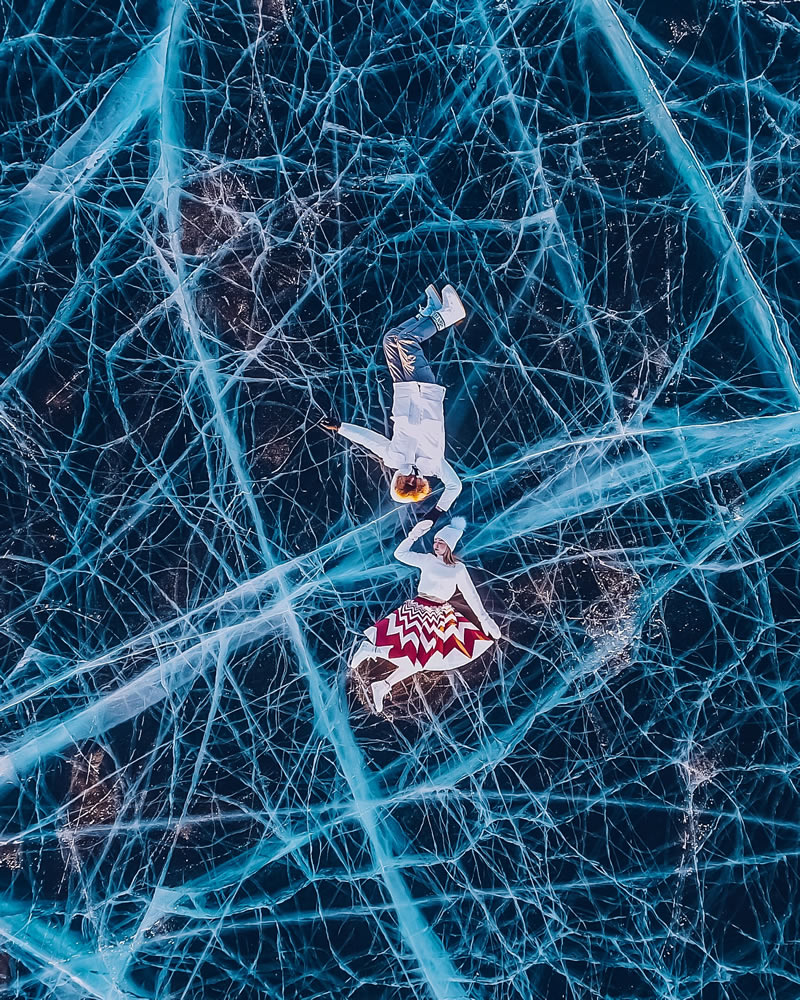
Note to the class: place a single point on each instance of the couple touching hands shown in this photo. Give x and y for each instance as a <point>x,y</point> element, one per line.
<point>426,633</point>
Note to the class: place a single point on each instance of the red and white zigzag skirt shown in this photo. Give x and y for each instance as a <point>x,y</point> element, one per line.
<point>432,636</point>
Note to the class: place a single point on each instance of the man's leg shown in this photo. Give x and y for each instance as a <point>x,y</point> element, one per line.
<point>405,357</point>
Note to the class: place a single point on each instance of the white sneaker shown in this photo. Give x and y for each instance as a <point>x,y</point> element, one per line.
<point>380,689</point>
<point>433,303</point>
<point>452,310</point>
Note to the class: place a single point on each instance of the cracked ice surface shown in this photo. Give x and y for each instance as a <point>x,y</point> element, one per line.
<point>210,212</point>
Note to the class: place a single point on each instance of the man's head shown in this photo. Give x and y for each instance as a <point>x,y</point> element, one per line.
<point>409,487</point>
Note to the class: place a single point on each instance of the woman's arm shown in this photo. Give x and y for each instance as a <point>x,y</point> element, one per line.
<point>403,551</point>
<point>473,599</point>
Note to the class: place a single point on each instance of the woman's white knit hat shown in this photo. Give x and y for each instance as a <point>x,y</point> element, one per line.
<point>451,532</point>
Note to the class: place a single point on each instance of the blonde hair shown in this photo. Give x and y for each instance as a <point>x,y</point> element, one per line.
<point>410,488</point>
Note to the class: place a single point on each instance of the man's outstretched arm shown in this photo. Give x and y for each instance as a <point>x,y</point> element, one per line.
<point>372,441</point>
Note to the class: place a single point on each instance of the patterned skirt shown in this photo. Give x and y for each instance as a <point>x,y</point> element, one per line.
<point>429,635</point>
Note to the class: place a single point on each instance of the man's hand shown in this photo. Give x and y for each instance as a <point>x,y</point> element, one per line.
<point>432,515</point>
<point>331,424</point>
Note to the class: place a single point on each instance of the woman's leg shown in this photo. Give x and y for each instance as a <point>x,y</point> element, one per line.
<point>442,668</point>
<point>405,357</point>
<point>402,673</point>
<point>364,652</point>
<point>382,689</point>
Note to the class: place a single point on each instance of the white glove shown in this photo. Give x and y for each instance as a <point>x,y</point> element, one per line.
<point>420,528</point>
<point>490,627</point>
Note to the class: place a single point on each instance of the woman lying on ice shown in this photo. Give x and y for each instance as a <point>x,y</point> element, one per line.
<point>426,633</point>
<point>416,448</point>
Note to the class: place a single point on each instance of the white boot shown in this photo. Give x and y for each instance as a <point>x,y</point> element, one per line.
<point>452,310</point>
<point>380,689</point>
<point>433,303</point>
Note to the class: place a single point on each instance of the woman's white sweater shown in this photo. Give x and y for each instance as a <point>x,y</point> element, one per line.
<point>439,580</point>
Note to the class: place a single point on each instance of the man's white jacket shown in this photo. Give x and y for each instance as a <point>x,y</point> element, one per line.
<point>418,438</point>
